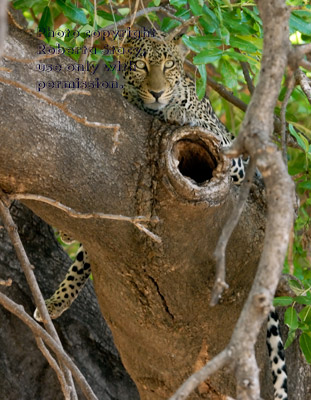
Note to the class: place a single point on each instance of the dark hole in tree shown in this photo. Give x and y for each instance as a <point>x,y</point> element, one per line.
<point>195,160</point>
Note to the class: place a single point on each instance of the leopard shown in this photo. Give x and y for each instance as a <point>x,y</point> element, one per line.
<point>155,81</point>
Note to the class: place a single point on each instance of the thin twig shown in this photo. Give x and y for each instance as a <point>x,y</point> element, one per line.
<point>248,79</point>
<point>290,88</point>
<point>195,379</point>
<point>304,82</point>
<point>19,311</point>
<point>53,364</point>
<point>137,221</point>
<point>220,251</point>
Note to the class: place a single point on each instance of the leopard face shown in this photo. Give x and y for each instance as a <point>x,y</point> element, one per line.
<point>153,71</point>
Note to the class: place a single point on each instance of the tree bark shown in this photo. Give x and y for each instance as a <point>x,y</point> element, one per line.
<point>154,296</point>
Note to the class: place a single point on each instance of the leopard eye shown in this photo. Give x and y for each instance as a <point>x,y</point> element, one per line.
<point>169,64</point>
<point>140,64</point>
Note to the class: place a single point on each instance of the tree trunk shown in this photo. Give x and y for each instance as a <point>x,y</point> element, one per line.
<point>154,296</point>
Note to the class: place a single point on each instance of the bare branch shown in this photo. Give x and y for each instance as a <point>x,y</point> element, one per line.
<point>200,376</point>
<point>304,82</point>
<point>290,88</point>
<point>54,346</point>
<point>55,367</point>
<point>248,79</point>
<point>137,221</point>
<point>220,251</point>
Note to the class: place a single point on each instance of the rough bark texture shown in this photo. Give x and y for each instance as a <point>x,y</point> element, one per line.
<point>153,296</point>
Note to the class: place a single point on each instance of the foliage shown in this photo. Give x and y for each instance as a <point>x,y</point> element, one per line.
<point>226,34</point>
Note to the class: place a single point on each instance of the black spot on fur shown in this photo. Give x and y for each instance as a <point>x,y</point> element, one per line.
<point>66,295</point>
<point>269,348</point>
<point>72,286</point>
<point>87,266</point>
<point>81,271</point>
<point>70,278</point>
<point>80,256</point>
<point>74,268</point>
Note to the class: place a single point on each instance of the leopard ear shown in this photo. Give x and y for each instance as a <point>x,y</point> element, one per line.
<point>183,49</point>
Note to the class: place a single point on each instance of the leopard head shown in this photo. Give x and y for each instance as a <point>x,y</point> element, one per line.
<point>152,69</point>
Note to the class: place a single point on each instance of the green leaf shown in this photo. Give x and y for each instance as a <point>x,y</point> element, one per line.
<point>296,287</point>
<point>303,300</point>
<point>242,44</point>
<point>72,12</point>
<point>228,73</point>
<point>107,16</point>
<point>302,141</point>
<point>305,315</point>
<point>305,345</point>
<point>283,301</point>
<point>45,22</point>
<point>241,57</point>
<point>88,6</point>
<point>305,185</point>
<point>290,338</point>
<point>237,26</point>
<point>300,25</point>
<point>195,7</point>
<point>201,82</point>
<point>252,14</point>
<point>291,318</point>
<point>178,3</point>
<point>168,24</point>
<point>25,3</point>
<point>207,56</point>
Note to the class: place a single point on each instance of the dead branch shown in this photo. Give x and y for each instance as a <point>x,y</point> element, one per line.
<point>53,364</point>
<point>289,90</point>
<point>194,380</point>
<point>54,346</point>
<point>304,83</point>
<point>137,221</point>
<point>220,280</point>
<point>248,79</point>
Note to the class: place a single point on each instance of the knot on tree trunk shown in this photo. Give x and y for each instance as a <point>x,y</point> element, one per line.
<point>196,168</point>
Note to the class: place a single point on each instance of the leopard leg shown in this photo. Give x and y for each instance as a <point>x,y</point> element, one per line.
<point>70,287</point>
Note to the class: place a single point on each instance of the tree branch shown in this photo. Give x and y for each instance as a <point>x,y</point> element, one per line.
<point>54,346</point>
<point>220,280</point>
<point>31,279</point>
<point>137,221</point>
<point>304,83</point>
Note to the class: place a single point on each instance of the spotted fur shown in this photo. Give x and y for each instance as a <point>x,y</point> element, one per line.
<point>277,357</point>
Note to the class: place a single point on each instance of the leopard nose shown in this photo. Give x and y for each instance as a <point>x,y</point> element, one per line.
<point>156,95</point>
